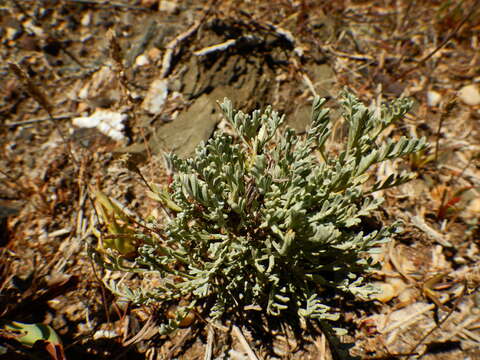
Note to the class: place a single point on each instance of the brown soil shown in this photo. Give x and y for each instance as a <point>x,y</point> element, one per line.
<point>255,53</point>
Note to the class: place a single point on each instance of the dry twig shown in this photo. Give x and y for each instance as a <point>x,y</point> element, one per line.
<point>32,121</point>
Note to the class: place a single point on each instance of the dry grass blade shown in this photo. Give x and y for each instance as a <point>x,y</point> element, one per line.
<point>422,225</point>
<point>445,318</point>
<point>321,344</point>
<point>209,350</point>
<point>109,4</point>
<point>40,97</point>
<point>246,347</point>
<point>146,332</point>
<point>30,87</point>
<point>407,321</point>
<point>114,48</point>
<point>41,119</point>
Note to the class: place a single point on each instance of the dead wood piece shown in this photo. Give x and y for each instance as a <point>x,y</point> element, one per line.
<point>172,47</point>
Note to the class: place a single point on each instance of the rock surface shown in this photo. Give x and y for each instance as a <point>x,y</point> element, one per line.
<point>470,95</point>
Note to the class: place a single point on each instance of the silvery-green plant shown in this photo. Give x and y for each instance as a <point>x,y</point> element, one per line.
<point>270,220</point>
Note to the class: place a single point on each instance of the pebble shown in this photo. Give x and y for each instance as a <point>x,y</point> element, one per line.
<point>12,33</point>
<point>142,60</point>
<point>86,19</point>
<point>470,95</point>
<point>386,292</point>
<point>148,3</point>
<point>156,96</point>
<point>168,6</point>
<point>154,54</point>
<point>433,98</point>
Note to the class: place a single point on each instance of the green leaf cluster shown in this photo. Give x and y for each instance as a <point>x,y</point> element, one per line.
<point>273,220</point>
